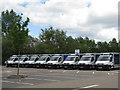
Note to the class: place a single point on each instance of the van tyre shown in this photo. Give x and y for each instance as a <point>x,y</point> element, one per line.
<point>109,68</point>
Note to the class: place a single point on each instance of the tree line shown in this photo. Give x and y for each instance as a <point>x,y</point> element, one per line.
<point>15,39</point>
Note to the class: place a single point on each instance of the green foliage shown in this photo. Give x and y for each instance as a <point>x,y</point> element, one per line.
<point>70,44</point>
<point>52,41</point>
<point>14,33</point>
<point>113,45</point>
<point>103,47</point>
<point>56,41</point>
<point>7,49</point>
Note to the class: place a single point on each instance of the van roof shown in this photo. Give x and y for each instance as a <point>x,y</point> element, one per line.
<point>72,56</point>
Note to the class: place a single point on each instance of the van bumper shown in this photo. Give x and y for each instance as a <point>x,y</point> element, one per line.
<point>54,66</point>
<point>39,65</point>
<point>70,66</point>
<point>86,66</point>
<point>103,67</point>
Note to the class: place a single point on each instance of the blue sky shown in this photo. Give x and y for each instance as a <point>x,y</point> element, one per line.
<point>35,30</point>
<point>96,19</point>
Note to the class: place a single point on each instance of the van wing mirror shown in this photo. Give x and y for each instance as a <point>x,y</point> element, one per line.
<point>76,60</point>
<point>16,59</point>
<point>48,59</point>
<point>36,59</point>
<point>110,59</point>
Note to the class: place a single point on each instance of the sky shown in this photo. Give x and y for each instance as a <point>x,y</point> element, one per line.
<point>96,19</point>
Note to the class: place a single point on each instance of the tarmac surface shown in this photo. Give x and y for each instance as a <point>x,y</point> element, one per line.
<point>59,78</point>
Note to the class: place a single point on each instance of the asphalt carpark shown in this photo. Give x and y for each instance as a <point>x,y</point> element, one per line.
<point>59,78</point>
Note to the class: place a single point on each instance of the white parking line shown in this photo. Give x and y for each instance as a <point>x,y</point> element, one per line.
<point>51,71</point>
<point>108,73</point>
<point>64,71</point>
<point>90,86</point>
<point>77,72</point>
<point>50,80</point>
<point>42,79</point>
<point>33,78</point>
<point>17,82</point>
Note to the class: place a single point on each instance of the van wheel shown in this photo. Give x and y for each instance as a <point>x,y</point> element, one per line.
<point>109,68</point>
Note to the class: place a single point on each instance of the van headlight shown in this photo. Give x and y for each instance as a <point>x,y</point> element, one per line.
<point>44,63</point>
<point>66,64</point>
<point>99,63</point>
<point>57,63</point>
<point>49,63</point>
<point>32,63</point>
<point>108,63</point>
<point>72,64</point>
<point>81,63</point>
<point>88,63</point>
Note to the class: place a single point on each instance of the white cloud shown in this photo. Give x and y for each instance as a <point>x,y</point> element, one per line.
<point>74,16</point>
<point>104,7</point>
<point>107,34</point>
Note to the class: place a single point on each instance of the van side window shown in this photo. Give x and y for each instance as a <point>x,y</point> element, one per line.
<point>92,59</point>
<point>60,59</point>
<point>25,59</point>
<point>16,59</point>
<point>36,59</point>
<point>76,59</point>
<point>110,59</point>
<point>48,59</point>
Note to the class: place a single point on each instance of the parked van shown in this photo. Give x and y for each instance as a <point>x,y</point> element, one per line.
<point>32,60</point>
<point>71,62</point>
<point>42,61</point>
<point>23,59</point>
<point>56,61</point>
<point>88,60</point>
<point>11,61</point>
<point>108,61</point>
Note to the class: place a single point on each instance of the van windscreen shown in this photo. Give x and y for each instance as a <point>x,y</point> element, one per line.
<point>54,58</point>
<point>32,58</point>
<point>85,59</point>
<point>11,59</point>
<point>70,59</point>
<point>104,58</point>
<point>43,58</point>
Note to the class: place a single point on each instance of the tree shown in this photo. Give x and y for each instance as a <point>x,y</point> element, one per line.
<point>7,49</point>
<point>9,19</point>
<point>86,45</point>
<point>14,33</point>
<point>114,45</point>
<point>103,47</point>
<point>52,40</point>
<point>14,29</point>
<point>119,46</point>
<point>71,45</point>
